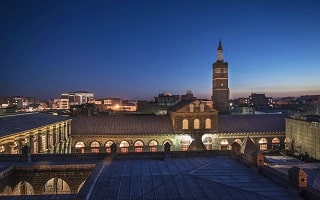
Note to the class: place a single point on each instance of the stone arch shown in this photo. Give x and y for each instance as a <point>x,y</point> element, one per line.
<point>169,142</point>
<point>124,146</point>
<point>56,186</point>
<point>138,146</point>
<point>153,145</point>
<point>208,123</point>
<point>224,144</point>
<point>196,124</point>
<point>23,188</point>
<point>95,146</point>
<point>79,147</point>
<point>263,144</point>
<point>108,146</point>
<point>185,124</point>
<point>275,143</point>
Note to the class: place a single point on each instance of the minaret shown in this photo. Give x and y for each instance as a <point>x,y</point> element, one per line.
<point>220,88</point>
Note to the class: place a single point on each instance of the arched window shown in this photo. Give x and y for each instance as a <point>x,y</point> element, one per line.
<point>185,124</point>
<point>56,186</point>
<point>23,188</point>
<point>79,147</point>
<point>95,147</point>
<point>108,146</point>
<point>238,141</point>
<point>208,143</point>
<point>208,123</point>
<point>124,147</point>
<point>138,146</point>
<point>263,144</point>
<point>185,142</point>
<point>153,146</point>
<point>224,144</point>
<point>196,124</point>
<point>275,144</point>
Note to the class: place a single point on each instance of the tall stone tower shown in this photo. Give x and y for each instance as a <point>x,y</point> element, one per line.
<point>220,88</point>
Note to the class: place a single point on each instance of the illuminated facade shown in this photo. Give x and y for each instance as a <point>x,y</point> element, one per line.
<point>78,97</point>
<point>185,122</point>
<point>43,133</point>
<point>303,135</point>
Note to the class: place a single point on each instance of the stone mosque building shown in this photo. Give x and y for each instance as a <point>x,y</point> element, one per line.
<point>189,125</point>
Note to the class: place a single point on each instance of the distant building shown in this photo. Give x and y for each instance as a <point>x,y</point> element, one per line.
<point>117,104</point>
<point>303,135</point>
<point>220,87</point>
<point>169,100</point>
<point>260,102</point>
<point>60,104</point>
<point>19,102</point>
<point>78,97</point>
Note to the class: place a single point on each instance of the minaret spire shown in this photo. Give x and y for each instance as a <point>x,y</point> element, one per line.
<point>220,52</point>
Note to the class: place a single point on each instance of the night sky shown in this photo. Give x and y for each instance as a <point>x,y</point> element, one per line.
<point>137,49</point>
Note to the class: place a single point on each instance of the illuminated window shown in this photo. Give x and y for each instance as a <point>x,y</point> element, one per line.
<point>108,146</point>
<point>185,142</point>
<point>263,144</point>
<point>153,146</point>
<point>95,146</point>
<point>23,188</point>
<point>275,144</point>
<point>208,123</point>
<point>208,143</point>
<point>124,147</point>
<point>196,124</point>
<point>56,186</point>
<point>79,147</point>
<point>138,146</point>
<point>2,149</point>
<point>185,124</point>
<point>224,144</point>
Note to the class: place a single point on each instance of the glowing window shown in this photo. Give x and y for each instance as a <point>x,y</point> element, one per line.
<point>224,144</point>
<point>185,142</point>
<point>95,147</point>
<point>185,124</point>
<point>138,146</point>
<point>108,146</point>
<point>153,146</point>
<point>124,147</point>
<point>208,123</point>
<point>196,124</point>
<point>79,147</point>
<point>263,144</point>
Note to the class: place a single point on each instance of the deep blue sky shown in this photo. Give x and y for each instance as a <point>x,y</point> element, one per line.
<point>136,49</point>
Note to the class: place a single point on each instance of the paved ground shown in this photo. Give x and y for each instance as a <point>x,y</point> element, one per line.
<point>218,177</point>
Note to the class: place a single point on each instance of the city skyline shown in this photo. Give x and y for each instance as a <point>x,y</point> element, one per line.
<point>138,49</point>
